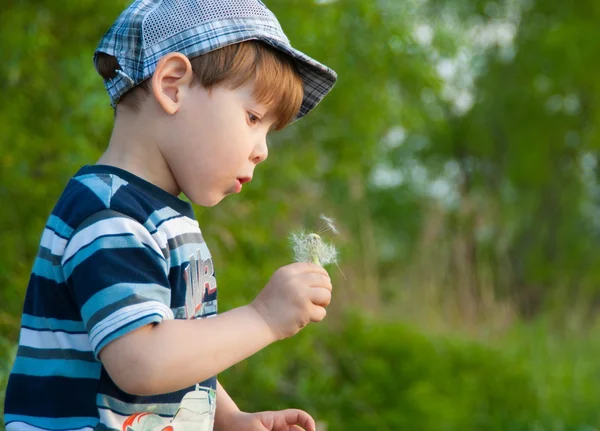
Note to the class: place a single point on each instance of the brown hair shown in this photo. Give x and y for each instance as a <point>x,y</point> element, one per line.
<point>275,76</point>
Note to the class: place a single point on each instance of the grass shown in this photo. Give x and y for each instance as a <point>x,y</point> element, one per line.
<point>560,360</point>
<point>563,365</point>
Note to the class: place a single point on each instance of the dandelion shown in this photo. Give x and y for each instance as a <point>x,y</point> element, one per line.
<point>310,247</point>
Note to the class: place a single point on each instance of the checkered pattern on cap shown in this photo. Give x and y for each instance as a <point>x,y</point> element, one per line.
<point>149,29</point>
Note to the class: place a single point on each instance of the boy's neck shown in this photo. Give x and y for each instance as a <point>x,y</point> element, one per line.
<point>133,148</point>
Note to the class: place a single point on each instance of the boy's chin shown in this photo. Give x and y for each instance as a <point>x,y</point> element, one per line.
<point>208,201</point>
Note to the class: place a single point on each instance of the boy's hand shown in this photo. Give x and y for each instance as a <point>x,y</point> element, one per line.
<point>283,420</point>
<point>296,295</point>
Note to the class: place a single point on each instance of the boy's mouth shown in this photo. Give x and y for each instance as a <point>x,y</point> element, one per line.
<point>240,181</point>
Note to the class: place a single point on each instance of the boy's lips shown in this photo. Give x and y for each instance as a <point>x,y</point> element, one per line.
<point>240,181</point>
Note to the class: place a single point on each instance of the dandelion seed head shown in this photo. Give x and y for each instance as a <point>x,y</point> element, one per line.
<point>308,246</point>
<point>313,238</point>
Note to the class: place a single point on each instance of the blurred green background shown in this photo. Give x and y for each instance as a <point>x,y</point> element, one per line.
<point>458,153</point>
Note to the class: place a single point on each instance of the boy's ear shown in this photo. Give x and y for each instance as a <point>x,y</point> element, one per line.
<point>173,74</point>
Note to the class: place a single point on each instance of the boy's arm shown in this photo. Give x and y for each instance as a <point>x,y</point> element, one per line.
<point>174,354</point>
<point>163,358</point>
<point>226,407</point>
<point>118,276</point>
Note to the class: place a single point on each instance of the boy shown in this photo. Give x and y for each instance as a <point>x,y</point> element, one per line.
<point>116,331</point>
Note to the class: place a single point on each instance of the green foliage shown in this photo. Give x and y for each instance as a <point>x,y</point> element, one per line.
<point>388,377</point>
<point>559,361</point>
<point>7,352</point>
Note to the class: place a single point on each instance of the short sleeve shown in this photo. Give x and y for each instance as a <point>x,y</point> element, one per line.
<point>118,276</point>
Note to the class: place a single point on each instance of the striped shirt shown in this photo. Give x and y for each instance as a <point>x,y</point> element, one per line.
<point>117,253</point>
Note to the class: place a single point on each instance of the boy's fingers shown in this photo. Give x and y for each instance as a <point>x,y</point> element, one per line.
<point>320,296</point>
<point>310,267</point>
<point>294,417</point>
<point>318,280</point>
<point>318,313</point>
<point>318,269</point>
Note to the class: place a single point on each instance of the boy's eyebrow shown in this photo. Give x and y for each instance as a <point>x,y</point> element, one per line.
<point>265,109</point>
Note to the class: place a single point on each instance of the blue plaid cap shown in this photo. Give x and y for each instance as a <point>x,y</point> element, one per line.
<point>149,29</point>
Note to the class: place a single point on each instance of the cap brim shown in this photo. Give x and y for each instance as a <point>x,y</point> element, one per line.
<point>318,79</point>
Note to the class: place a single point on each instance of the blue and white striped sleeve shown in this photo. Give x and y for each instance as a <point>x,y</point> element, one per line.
<point>118,275</point>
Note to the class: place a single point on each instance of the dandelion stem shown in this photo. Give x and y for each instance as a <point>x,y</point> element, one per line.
<point>314,240</point>
<point>315,259</point>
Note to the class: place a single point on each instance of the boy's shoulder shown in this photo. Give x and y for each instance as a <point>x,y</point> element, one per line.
<point>105,190</point>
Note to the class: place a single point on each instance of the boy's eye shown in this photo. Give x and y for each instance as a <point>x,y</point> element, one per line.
<point>253,118</point>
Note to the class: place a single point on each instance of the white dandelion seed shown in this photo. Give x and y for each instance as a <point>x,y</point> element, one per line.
<point>328,225</point>
<point>309,247</point>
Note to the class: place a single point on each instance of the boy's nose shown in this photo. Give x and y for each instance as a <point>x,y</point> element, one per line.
<point>260,152</point>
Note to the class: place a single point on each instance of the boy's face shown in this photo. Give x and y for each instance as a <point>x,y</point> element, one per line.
<point>217,138</point>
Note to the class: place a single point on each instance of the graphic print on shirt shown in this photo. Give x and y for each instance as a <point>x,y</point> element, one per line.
<point>195,413</point>
<point>197,409</point>
<point>201,287</point>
